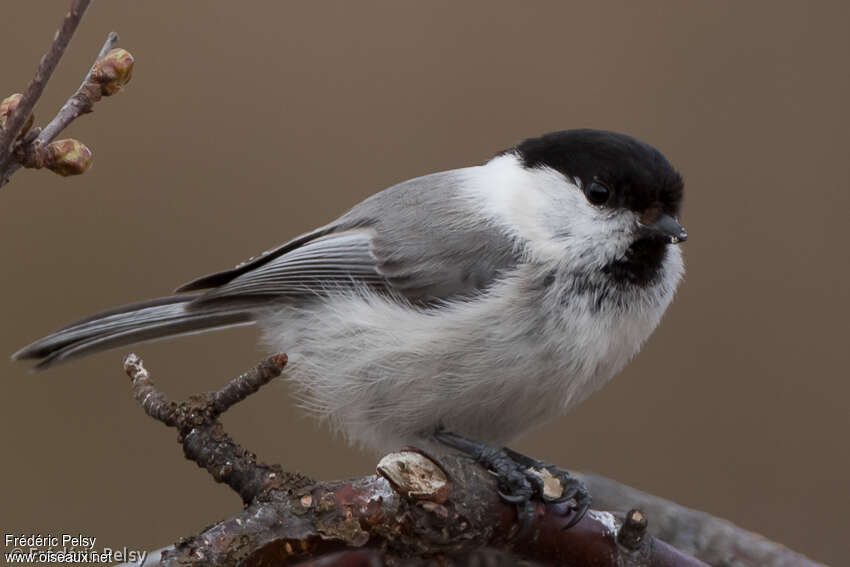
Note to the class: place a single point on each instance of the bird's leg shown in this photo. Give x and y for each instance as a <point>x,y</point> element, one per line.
<point>521,478</point>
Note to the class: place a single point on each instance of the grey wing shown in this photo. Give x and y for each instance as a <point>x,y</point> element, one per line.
<point>335,261</point>
<point>430,242</point>
<point>420,239</point>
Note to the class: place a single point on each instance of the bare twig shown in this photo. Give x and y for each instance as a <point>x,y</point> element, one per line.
<point>240,388</point>
<point>202,436</point>
<point>35,149</point>
<point>79,103</point>
<point>36,87</point>
<point>109,73</point>
<point>152,400</point>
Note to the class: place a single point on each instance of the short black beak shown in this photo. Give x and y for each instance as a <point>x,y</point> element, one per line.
<point>669,228</point>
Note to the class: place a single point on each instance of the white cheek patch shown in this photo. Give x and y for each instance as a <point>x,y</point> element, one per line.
<point>511,196</point>
<point>551,214</point>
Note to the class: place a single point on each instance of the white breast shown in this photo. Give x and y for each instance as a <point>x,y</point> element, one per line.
<point>386,374</point>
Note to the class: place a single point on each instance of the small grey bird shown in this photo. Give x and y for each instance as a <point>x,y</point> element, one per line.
<point>476,303</point>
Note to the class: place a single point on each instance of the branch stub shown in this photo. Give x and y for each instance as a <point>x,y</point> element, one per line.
<point>633,531</point>
<point>415,476</point>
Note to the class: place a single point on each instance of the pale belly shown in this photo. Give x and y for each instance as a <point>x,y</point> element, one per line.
<point>386,375</point>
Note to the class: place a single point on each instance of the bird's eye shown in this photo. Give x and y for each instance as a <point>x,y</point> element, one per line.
<point>597,193</point>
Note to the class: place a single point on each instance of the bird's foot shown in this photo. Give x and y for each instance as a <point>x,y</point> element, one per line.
<point>523,480</point>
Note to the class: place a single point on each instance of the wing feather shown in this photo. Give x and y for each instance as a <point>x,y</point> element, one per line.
<point>337,260</point>
<point>420,239</point>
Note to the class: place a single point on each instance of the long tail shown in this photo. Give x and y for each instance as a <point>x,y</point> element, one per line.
<point>137,322</point>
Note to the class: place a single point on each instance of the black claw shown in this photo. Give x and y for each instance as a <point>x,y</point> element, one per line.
<point>517,484</point>
<point>525,517</point>
<point>577,516</point>
<point>583,501</point>
<point>511,498</point>
<point>571,490</point>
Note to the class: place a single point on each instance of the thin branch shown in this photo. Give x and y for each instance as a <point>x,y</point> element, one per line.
<point>202,436</point>
<point>152,400</point>
<point>79,103</point>
<point>112,39</point>
<point>248,383</point>
<point>36,87</point>
<point>108,74</point>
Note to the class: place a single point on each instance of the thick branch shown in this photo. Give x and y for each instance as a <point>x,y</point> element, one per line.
<point>714,540</point>
<point>36,87</point>
<point>421,510</point>
<point>418,506</point>
<point>371,512</point>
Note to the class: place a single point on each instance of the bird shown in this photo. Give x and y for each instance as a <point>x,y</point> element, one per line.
<point>463,308</point>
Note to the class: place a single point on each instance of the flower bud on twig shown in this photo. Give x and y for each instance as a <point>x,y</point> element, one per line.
<point>67,157</point>
<point>113,71</point>
<point>8,106</point>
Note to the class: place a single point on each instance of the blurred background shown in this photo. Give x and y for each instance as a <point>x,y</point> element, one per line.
<point>247,124</point>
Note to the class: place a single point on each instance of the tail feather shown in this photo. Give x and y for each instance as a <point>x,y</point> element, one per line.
<point>137,322</point>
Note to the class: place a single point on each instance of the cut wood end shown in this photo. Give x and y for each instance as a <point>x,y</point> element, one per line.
<point>415,476</point>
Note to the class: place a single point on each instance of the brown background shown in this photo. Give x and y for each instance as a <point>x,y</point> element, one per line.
<point>248,124</point>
